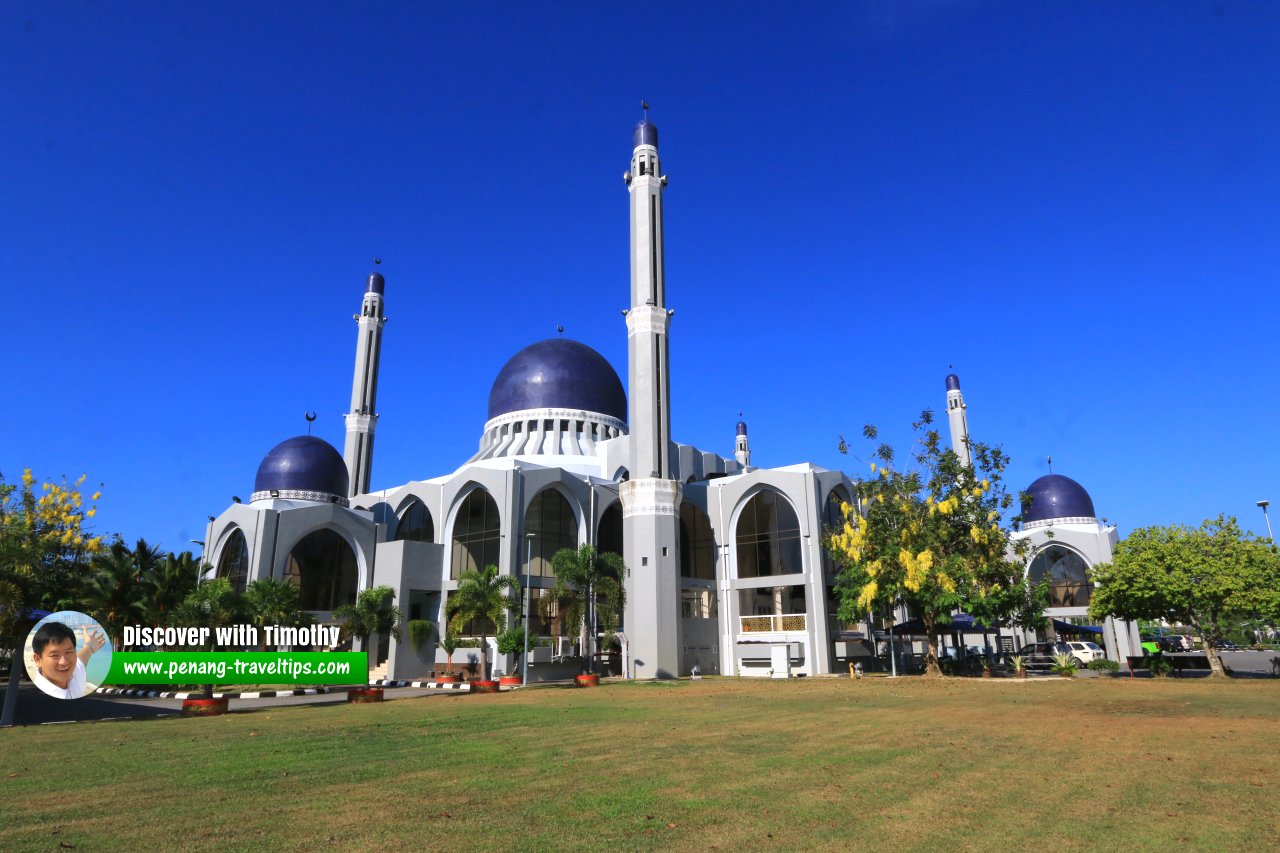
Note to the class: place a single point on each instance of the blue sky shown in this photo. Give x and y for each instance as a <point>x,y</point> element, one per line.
<point>1075,204</point>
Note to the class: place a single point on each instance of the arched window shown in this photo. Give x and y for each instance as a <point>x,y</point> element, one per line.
<point>234,562</point>
<point>609,533</point>
<point>833,521</point>
<point>1067,574</point>
<point>551,521</point>
<point>697,544</point>
<point>477,534</point>
<point>323,566</point>
<point>768,538</point>
<point>415,523</point>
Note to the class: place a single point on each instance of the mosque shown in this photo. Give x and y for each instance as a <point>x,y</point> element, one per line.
<point>726,566</point>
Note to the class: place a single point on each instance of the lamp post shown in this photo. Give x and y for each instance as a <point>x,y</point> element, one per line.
<point>528,567</point>
<point>1267,516</point>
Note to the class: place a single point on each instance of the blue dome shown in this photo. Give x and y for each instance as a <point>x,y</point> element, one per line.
<point>646,133</point>
<point>953,382</point>
<point>376,284</point>
<point>558,374</point>
<point>303,464</point>
<point>742,427</point>
<point>1055,496</point>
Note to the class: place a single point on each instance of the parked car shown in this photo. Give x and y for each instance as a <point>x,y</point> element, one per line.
<point>1040,655</point>
<point>1086,652</point>
<point>1175,643</point>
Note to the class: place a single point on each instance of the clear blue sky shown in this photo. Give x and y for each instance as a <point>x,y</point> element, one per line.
<point>1074,203</point>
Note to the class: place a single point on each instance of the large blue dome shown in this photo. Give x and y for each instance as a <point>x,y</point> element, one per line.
<point>558,374</point>
<point>303,464</point>
<point>1055,496</point>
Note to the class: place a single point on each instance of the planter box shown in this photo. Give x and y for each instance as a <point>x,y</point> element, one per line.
<point>484,686</point>
<point>445,679</point>
<point>361,695</point>
<point>592,680</point>
<point>510,681</point>
<point>204,707</point>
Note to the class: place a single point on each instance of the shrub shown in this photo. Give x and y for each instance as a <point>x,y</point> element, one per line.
<point>1157,665</point>
<point>1064,665</point>
<point>1104,665</point>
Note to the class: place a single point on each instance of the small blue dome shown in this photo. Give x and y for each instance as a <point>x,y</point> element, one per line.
<point>1055,496</point>
<point>953,382</point>
<point>303,463</point>
<point>558,373</point>
<point>376,283</point>
<point>646,133</point>
<point>742,427</point>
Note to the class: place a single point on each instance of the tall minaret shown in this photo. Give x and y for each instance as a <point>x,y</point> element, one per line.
<point>650,497</point>
<point>742,450</point>
<point>959,423</point>
<point>362,418</point>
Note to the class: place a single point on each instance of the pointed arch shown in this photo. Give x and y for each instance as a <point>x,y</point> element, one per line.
<point>477,533</point>
<point>414,522</point>
<point>554,525</point>
<point>1067,572</point>
<point>233,562</point>
<point>609,537</point>
<point>323,566</point>
<point>767,537</point>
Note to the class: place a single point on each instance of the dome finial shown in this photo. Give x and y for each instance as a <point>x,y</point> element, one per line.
<point>1050,459</point>
<point>311,418</point>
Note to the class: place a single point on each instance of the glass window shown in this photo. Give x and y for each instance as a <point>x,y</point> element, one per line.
<point>832,521</point>
<point>415,523</point>
<point>234,562</point>
<point>698,604</point>
<point>323,566</point>
<point>609,533</point>
<point>768,538</point>
<point>477,534</point>
<point>1067,574</point>
<point>554,527</point>
<point>697,544</point>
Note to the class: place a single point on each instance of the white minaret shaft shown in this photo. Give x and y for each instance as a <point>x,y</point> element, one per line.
<point>741,449</point>
<point>959,423</point>
<point>362,419</point>
<point>649,385</point>
<point>651,497</point>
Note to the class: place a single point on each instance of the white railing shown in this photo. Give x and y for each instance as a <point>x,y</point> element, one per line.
<point>773,624</point>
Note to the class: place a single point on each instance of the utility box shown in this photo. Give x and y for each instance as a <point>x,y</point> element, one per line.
<point>780,659</point>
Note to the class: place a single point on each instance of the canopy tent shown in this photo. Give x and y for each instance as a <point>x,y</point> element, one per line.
<point>1067,628</point>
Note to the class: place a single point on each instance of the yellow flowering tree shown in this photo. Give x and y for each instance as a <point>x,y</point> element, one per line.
<point>44,547</point>
<point>932,537</point>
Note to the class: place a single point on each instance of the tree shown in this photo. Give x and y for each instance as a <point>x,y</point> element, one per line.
<point>274,601</point>
<point>213,604</point>
<point>1200,577</point>
<point>166,583</point>
<point>373,613</point>
<point>481,599</point>
<point>932,538</point>
<point>112,594</point>
<point>44,548</point>
<point>589,593</point>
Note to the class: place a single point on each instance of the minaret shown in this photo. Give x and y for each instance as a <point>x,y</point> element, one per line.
<point>650,497</point>
<point>959,423</point>
<point>362,418</point>
<point>741,450</point>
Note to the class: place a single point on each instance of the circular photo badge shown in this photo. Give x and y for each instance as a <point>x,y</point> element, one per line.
<point>67,654</point>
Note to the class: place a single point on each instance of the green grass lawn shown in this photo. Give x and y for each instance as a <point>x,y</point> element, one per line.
<point>959,764</point>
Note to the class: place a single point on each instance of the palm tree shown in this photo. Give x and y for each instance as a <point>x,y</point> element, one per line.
<point>214,604</point>
<point>373,613</point>
<point>112,594</point>
<point>274,601</point>
<point>585,580</point>
<point>166,583</point>
<point>481,598</point>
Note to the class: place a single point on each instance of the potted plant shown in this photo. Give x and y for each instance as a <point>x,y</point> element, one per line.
<point>373,613</point>
<point>1019,666</point>
<point>590,594</point>
<point>511,641</point>
<point>481,600</point>
<point>448,644</point>
<point>1064,665</point>
<point>212,605</point>
<point>986,667</point>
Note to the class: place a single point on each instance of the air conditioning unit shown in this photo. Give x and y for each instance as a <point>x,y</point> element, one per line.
<point>565,647</point>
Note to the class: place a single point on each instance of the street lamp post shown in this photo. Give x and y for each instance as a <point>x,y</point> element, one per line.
<point>1267,516</point>
<point>528,567</point>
